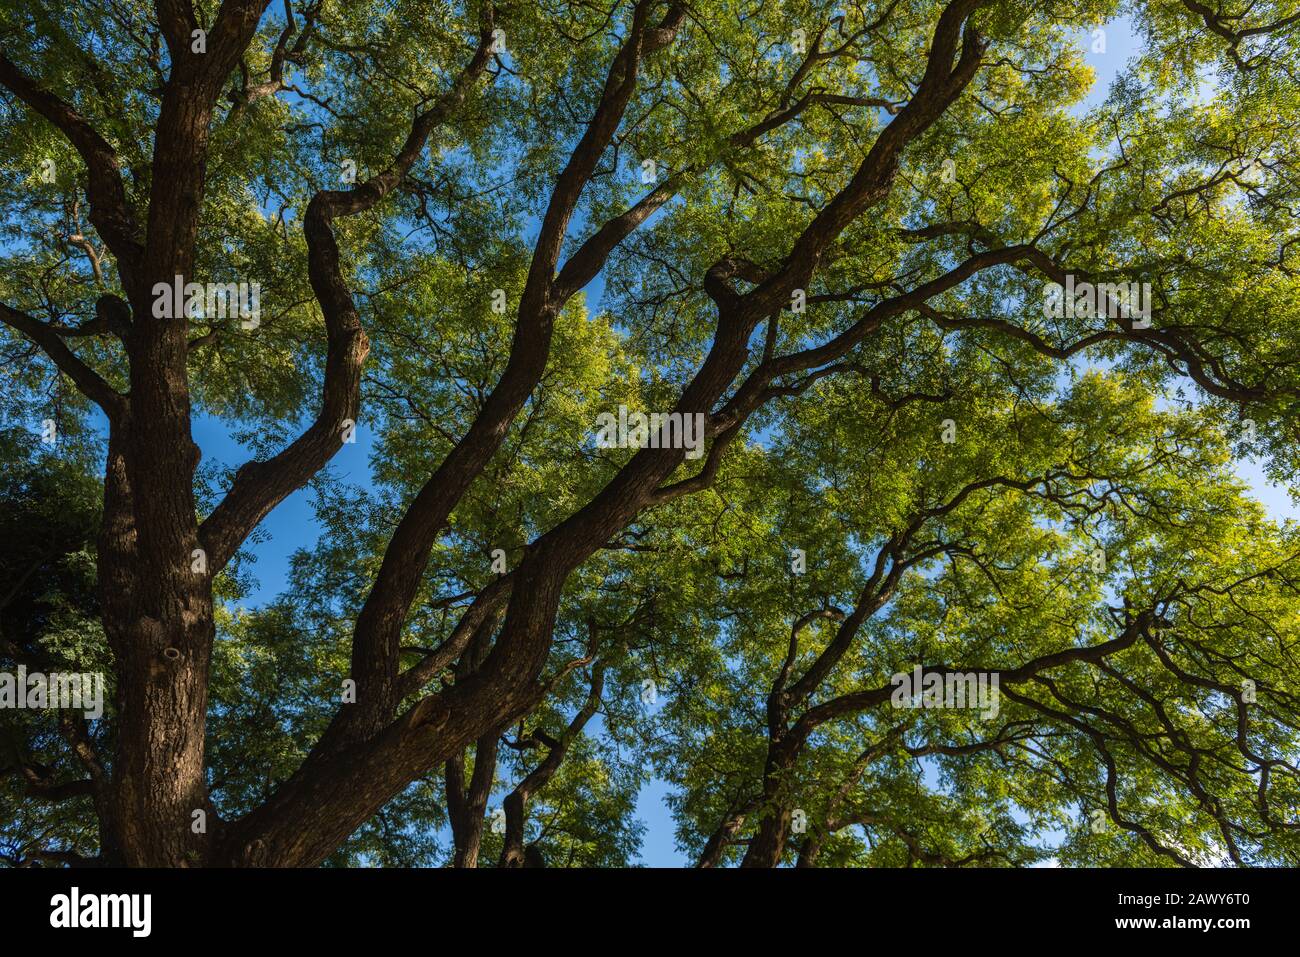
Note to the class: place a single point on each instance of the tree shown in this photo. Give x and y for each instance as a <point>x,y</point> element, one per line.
<point>870,250</point>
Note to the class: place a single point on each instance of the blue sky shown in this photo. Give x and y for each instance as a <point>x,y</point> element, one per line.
<point>293,524</point>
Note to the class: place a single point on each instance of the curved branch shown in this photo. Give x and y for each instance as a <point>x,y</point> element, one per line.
<point>87,380</point>
<point>260,486</point>
<point>110,213</point>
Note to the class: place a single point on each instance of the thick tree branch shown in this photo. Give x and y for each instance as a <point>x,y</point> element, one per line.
<point>86,379</point>
<point>110,212</point>
<point>376,639</point>
<point>260,486</point>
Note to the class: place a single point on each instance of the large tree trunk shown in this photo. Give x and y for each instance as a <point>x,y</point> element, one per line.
<point>158,613</point>
<point>767,846</point>
<point>810,850</point>
<point>155,582</point>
